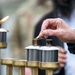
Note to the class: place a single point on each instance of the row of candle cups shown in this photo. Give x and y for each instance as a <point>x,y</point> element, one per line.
<point>41,56</point>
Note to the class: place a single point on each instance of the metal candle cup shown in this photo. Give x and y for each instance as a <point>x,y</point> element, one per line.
<point>32,53</point>
<point>3,36</point>
<point>32,59</point>
<point>49,54</point>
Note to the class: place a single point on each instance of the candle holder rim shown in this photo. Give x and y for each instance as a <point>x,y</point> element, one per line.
<point>48,48</point>
<point>3,30</point>
<point>32,47</point>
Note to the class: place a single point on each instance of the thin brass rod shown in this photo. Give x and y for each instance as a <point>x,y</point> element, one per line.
<point>21,70</point>
<point>49,72</point>
<point>9,70</point>
<point>0,62</point>
<point>34,71</point>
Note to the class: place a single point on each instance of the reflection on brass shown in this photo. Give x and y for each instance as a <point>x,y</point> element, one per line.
<point>7,61</point>
<point>35,43</point>
<point>33,64</point>
<point>21,64</point>
<point>3,45</point>
<point>49,65</point>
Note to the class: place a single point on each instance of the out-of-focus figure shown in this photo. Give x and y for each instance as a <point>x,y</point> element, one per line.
<point>27,16</point>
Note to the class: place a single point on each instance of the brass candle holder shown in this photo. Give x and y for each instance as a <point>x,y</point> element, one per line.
<point>32,57</point>
<point>49,59</point>
<point>47,56</point>
<point>8,62</point>
<point>39,55</point>
<point>21,64</point>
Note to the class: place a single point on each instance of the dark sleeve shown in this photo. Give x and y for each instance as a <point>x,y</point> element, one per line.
<point>62,72</point>
<point>42,72</point>
<point>71,48</point>
<point>56,41</point>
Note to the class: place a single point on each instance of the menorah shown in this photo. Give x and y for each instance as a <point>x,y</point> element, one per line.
<point>39,55</point>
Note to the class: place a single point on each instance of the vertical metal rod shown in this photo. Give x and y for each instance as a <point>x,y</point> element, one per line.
<point>9,70</point>
<point>49,72</point>
<point>34,71</point>
<point>0,61</point>
<point>21,70</point>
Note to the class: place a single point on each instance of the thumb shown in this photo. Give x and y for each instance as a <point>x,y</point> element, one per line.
<point>47,32</point>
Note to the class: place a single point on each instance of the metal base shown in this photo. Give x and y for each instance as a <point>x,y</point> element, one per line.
<point>3,45</point>
<point>7,61</point>
<point>34,64</point>
<point>18,63</point>
<point>49,65</point>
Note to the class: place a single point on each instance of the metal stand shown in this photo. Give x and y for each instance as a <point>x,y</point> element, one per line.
<point>2,45</point>
<point>0,62</point>
<point>21,64</point>
<point>9,68</point>
<point>49,67</point>
<point>43,57</point>
<point>34,65</point>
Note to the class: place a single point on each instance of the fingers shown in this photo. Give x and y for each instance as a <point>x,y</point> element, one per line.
<point>62,51</point>
<point>46,25</point>
<point>47,32</point>
<point>48,22</point>
<point>62,57</point>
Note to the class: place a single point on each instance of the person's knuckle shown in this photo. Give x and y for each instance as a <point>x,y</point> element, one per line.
<point>59,59</point>
<point>64,61</point>
<point>60,56</point>
<point>61,65</point>
<point>58,18</point>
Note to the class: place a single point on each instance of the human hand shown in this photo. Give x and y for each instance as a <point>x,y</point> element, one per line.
<point>28,71</point>
<point>62,57</point>
<point>57,27</point>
